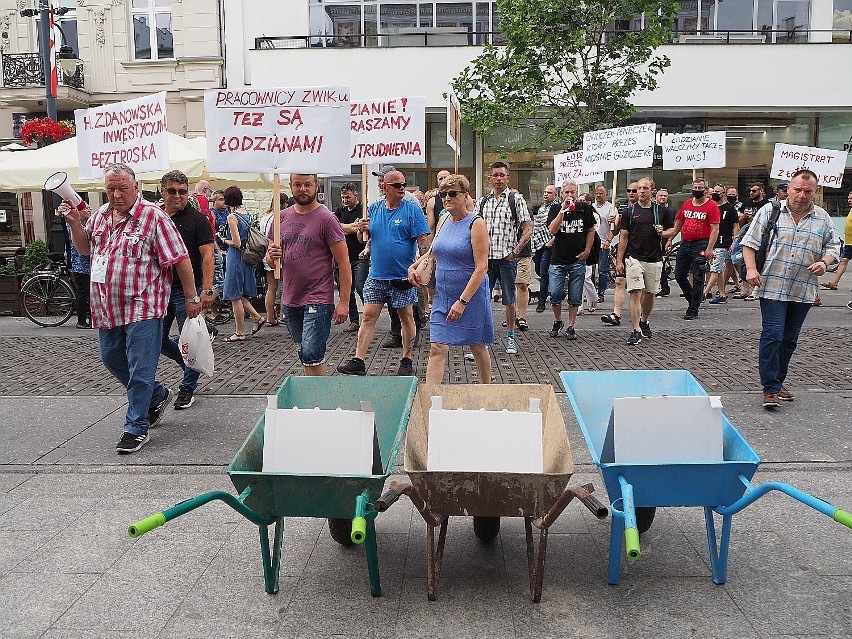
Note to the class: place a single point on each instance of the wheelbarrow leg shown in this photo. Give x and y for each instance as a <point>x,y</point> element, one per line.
<point>434,559</point>
<point>616,534</point>
<point>718,552</point>
<point>373,558</point>
<point>271,566</point>
<point>535,565</point>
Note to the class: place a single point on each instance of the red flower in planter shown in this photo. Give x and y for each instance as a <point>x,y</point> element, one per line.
<point>46,129</point>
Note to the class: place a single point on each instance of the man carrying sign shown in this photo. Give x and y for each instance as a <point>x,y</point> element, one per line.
<point>313,241</point>
<point>802,246</point>
<point>699,218</point>
<point>132,244</point>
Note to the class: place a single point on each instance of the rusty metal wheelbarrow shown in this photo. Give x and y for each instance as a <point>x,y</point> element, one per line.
<point>487,496</point>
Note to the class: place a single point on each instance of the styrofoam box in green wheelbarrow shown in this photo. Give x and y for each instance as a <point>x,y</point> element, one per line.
<point>332,496</point>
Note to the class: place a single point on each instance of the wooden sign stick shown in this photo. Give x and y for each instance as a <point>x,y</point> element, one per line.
<point>276,213</point>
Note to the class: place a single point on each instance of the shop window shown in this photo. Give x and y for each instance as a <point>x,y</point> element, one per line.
<point>152,29</point>
<point>842,21</point>
<point>735,16</point>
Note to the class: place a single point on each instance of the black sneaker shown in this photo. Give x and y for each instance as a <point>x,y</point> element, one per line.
<point>690,315</point>
<point>394,341</point>
<point>354,366</point>
<point>184,400</point>
<point>635,338</point>
<point>155,412</point>
<point>540,307</point>
<point>211,330</point>
<point>557,326</point>
<point>570,334</point>
<point>406,367</point>
<point>645,328</point>
<point>130,443</point>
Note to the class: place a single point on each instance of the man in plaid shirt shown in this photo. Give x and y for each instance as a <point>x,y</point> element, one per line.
<point>132,245</point>
<point>503,228</point>
<point>800,250</point>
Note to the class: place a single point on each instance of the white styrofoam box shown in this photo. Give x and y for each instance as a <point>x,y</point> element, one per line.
<point>318,441</point>
<point>485,440</point>
<point>667,429</point>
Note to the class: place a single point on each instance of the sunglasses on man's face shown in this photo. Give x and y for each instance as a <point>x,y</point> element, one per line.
<point>632,190</point>
<point>177,191</point>
<point>445,194</point>
<point>397,185</point>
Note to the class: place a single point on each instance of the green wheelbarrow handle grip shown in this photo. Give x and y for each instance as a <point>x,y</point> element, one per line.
<point>359,530</point>
<point>148,524</point>
<point>631,543</point>
<point>843,517</point>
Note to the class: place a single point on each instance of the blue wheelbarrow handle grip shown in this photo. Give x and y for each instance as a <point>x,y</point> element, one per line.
<point>843,517</point>
<point>631,531</point>
<point>148,524</point>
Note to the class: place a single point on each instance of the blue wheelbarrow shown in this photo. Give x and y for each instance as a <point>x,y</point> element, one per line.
<point>637,489</point>
<point>347,501</point>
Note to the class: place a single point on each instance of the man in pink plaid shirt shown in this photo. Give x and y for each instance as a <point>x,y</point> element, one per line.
<point>132,244</point>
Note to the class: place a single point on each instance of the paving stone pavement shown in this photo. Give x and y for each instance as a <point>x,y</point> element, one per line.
<point>68,568</point>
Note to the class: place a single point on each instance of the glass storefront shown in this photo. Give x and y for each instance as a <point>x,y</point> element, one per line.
<point>10,221</point>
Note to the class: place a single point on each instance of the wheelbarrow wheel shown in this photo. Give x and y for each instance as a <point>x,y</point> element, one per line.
<point>486,528</point>
<point>341,531</point>
<point>644,517</point>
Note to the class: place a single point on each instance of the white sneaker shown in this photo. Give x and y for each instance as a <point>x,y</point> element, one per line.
<point>511,346</point>
<point>469,357</point>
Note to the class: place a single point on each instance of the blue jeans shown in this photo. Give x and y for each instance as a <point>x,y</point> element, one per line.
<point>360,268</point>
<point>541,259</point>
<point>688,259</point>
<point>310,327</point>
<point>130,354</point>
<point>603,272</point>
<point>576,273</point>
<point>506,272</point>
<point>170,348</point>
<point>781,325</point>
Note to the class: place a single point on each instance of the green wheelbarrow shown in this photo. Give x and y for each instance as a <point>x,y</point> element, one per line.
<point>346,500</point>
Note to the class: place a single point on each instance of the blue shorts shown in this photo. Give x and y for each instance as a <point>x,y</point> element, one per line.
<point>575,273</point>
<point>381,291</point>
<point>846,253</point>
<point>310,327</point>
<point>506,272</point>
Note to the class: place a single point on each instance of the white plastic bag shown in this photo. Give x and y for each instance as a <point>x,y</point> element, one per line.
<point>195,346</point>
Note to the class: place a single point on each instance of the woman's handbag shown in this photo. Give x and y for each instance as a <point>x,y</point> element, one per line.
<point>426,269</point>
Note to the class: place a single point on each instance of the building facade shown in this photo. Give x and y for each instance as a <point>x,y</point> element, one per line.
<point>765,71</point>
<point>127,49</point>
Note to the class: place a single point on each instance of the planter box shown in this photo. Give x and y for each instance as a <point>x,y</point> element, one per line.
<point>10,295</point>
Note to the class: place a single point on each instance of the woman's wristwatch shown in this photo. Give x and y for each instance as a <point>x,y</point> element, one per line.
<point>463,301</point>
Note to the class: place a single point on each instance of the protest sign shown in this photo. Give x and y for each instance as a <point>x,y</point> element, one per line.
<point>694,150</point>
<point>278,130</point>
<point>626,147</point>
<point>388,129</point>
<point>453,120</point>
<point>569,166</point>
<point>826,163</point>
<point>132,132</point>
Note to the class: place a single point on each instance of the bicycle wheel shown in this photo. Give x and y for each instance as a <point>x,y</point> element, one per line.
<point>224,312</point>
<point>47,300</point>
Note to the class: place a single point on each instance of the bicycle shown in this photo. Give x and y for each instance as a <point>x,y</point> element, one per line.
<point>48,296</point>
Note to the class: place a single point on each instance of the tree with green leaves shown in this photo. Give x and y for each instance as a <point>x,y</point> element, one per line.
<point>569,66</point>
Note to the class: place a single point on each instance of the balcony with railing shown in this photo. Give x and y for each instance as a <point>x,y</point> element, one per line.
<point>22,70</point>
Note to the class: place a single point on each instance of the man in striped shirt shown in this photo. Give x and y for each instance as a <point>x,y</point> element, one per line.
<point>132,245</point>
<point>798,252</point>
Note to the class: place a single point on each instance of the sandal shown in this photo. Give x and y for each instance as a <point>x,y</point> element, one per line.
<point>829,286</point>
<point>612,319</point>
<point>521,323</point>
<point>236,337</point>
<point>256,326</point>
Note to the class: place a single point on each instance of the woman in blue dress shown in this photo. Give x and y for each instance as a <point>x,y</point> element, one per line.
<point>240,283</point>
<point>461,306</point>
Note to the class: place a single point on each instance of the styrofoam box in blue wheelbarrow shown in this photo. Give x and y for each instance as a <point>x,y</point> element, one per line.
<point>711,483</point>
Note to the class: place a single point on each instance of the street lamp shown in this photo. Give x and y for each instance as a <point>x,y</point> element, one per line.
<point>68,62</point>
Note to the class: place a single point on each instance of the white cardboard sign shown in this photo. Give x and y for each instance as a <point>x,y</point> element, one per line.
<point>626,147</point>
<point>132,132</point>
<point>569,166</point>
<point>388,129</point>
<point>694,150</point>
<point>453,120</point>
<point>278,130</point>
<point>828,164</point>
